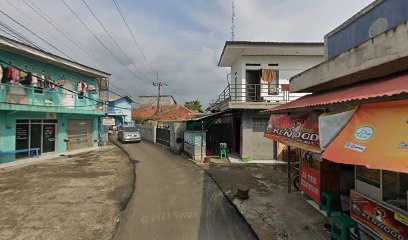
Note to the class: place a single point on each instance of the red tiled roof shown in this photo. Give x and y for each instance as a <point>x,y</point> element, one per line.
<point>168,113</point>
<point>177,114</point>
<point>143,113</point>
<point>383,87</point>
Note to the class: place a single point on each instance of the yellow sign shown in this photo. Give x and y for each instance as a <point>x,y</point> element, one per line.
<point>401,218</point>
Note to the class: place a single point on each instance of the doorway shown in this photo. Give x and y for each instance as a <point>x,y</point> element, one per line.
<point>253,85</point>
<point>237,135</point>
<point>48,136</point>
<point>79,134</point>
<point>35,133</point>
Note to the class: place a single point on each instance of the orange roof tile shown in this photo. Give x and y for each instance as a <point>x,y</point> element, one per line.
<point>177,114</point>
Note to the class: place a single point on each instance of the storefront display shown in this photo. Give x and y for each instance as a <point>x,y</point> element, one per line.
<point>383,221</point>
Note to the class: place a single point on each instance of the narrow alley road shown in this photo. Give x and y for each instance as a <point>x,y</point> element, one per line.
<point>174,199</point>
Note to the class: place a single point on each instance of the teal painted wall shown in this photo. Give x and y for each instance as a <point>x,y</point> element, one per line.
<point>8,139</point>
<point>56,73</point>
<point>84,109</point>
<point>41,68</point>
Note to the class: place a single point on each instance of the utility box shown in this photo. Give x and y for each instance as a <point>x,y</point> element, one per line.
<point>194,144</point>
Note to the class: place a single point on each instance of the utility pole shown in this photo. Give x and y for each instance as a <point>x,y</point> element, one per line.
<point>158,84</point>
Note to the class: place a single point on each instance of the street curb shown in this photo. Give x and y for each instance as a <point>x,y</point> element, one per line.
<point>133,185</point>
<point>229,200</point>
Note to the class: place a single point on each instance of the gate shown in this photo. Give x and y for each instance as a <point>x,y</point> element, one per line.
<point>163,137</point>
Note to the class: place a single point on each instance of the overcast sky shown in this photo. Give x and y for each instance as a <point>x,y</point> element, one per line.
<point>181,39</point>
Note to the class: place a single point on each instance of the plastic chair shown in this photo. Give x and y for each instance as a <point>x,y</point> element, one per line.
<point>330,201</point>
<point>223,150</point>
<point>341,226</point>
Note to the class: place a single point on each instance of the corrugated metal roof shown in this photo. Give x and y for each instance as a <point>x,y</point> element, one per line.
<point>383,87</point>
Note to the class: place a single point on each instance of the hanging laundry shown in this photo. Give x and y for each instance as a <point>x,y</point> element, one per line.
<point>268,75</point>
<point>16,74</point>
<point>23,75</point>
<point>48,83</point>
<point>6,75</point>
<point>34,80</point>
<point>91,89</point>
<point>82,86</point>
<point>27,79</point>
<point>41,81</point>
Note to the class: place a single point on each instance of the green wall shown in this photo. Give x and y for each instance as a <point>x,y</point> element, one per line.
<point>10,112</point>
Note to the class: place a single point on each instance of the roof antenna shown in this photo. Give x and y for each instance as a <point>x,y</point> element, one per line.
<point>233,22</point>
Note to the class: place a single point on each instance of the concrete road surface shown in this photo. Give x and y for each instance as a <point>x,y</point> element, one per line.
<point>174,199</point>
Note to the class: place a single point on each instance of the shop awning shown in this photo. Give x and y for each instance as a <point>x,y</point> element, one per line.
<point>376,136</point>
<point>384,87</point>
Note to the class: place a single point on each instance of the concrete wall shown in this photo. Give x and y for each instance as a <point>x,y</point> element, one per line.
<point>382,55</point>
<point>253,144</point>
<point>177,130</point>
<point>147,132</point>
<point>377,18</point>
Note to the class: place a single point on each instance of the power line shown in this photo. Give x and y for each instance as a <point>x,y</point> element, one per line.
<point>35,23</point>
<point>133,36</point>
<point>42,39</point>
<point>41,14</point>
<point>94,35</point>
<point>10,34</point>
<point>28,42</point>
<point>113,40</point>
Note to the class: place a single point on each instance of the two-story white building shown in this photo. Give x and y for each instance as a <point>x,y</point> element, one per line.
<point>241,123</point>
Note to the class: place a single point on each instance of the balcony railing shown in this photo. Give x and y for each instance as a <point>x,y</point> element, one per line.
<point>29,96</point>
<point>273,93</point>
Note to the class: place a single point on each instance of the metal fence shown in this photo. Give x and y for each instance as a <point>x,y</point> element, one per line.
<point>163,136</point>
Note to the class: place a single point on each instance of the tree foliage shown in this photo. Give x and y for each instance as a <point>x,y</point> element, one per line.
<point>194,106</point>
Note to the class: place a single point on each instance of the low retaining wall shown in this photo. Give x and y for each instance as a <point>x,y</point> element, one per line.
<point>147,132</point>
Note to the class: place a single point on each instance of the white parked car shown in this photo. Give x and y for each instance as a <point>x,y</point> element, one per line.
<point>128,134</point>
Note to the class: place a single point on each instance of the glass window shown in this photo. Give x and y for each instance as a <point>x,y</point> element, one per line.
<point>369,176</point>
<point>395,188</point>
<point>35,120</point>
<point>130,129</point>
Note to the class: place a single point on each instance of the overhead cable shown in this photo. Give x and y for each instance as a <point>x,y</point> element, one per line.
<point>114,41</point>
<point>42,39</point>
<point>133,36</point>
<point>94,35</point>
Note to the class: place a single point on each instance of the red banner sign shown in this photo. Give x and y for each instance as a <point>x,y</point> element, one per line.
<point>383,221</point>
<point>301,131</point>
<point>310,183</point>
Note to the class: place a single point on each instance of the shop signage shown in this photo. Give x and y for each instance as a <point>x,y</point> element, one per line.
<point>375,136</point>
<point>310,183</point>
<point>108,121</point>
<point>381,220</point>
<point>300,131</point>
